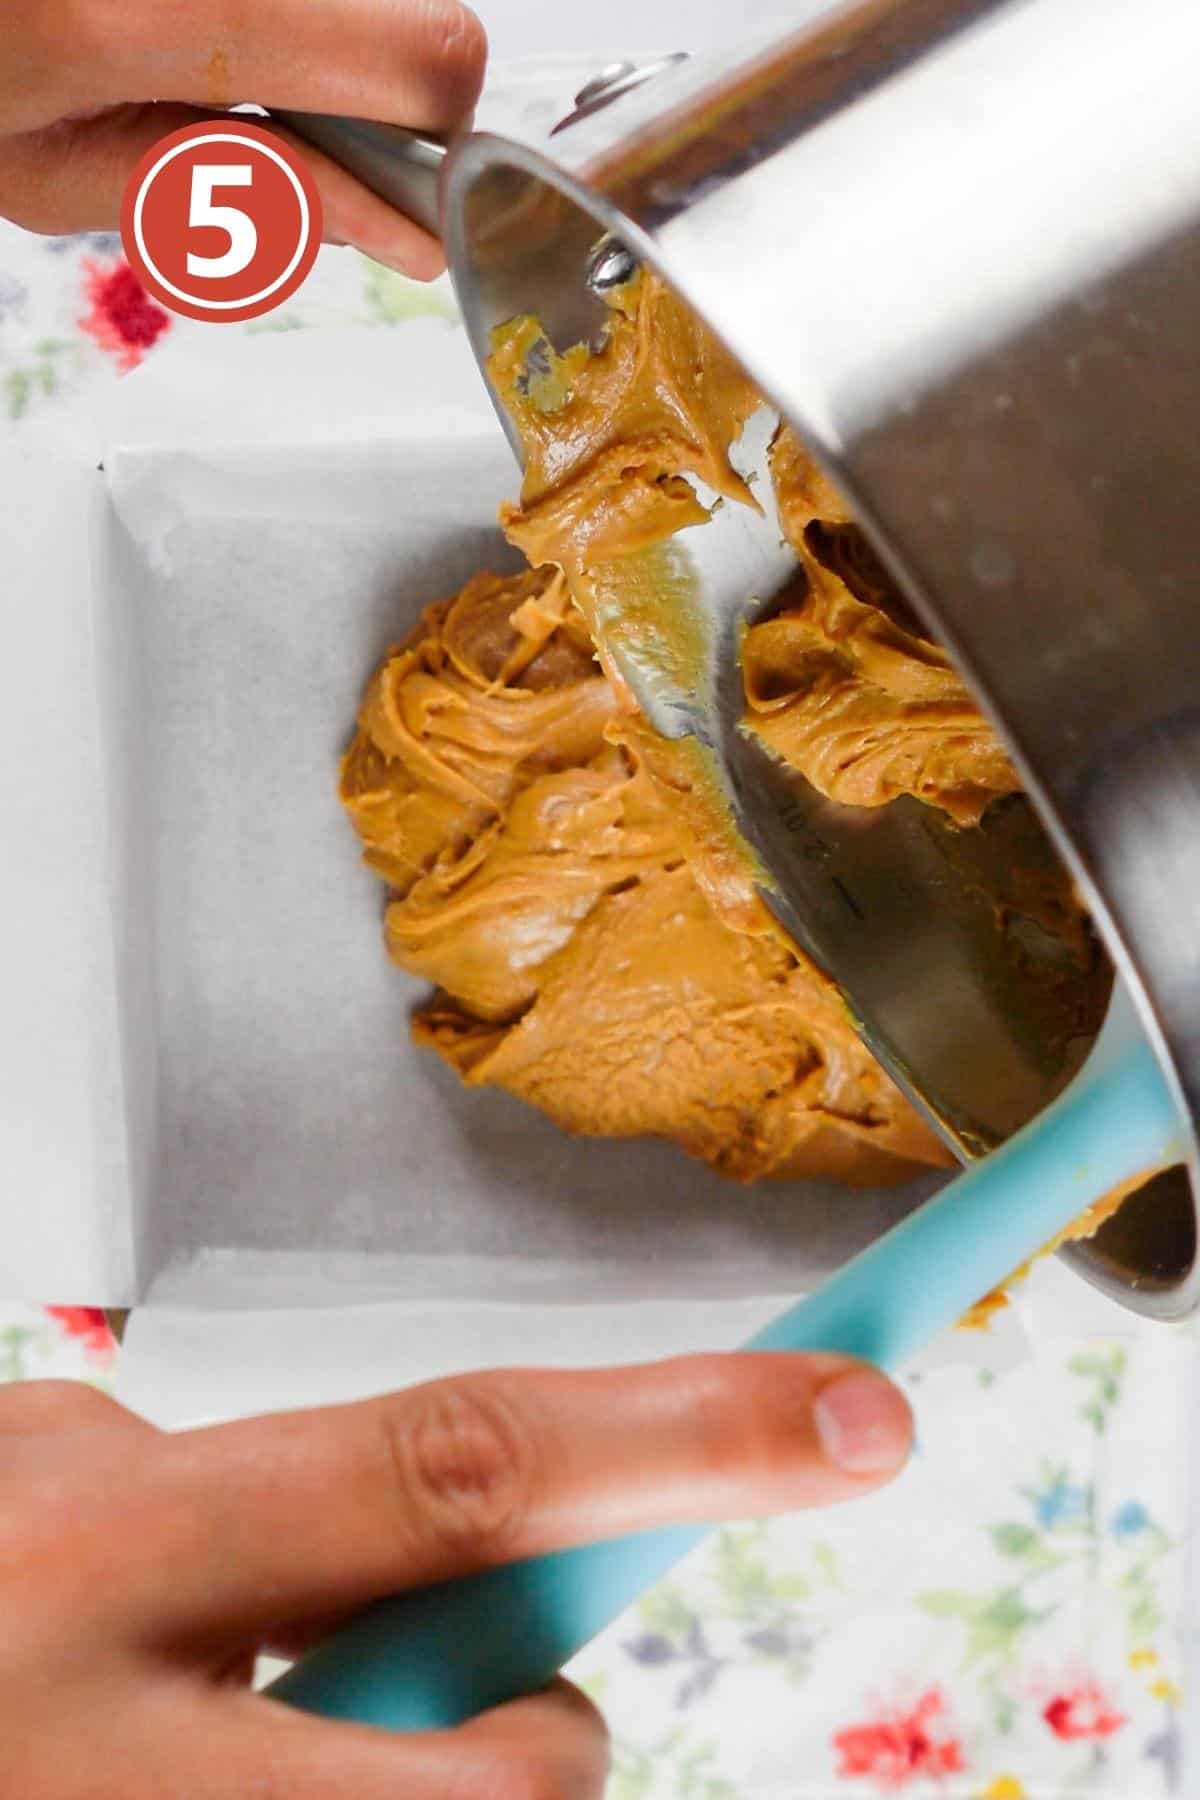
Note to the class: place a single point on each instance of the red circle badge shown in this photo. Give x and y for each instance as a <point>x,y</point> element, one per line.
<point>221,220</point>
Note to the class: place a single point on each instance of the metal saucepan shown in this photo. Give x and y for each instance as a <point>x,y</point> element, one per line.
<point>958,245</point>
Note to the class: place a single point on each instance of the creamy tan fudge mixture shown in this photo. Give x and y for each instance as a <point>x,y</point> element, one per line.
<point>556,870</point>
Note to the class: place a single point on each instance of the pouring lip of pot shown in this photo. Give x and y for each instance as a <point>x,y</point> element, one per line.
<point>1146,1256</point>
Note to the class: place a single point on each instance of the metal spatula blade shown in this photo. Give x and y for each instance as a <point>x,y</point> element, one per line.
<point>902,908</point>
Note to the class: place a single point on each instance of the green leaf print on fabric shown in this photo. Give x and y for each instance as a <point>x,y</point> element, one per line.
<point>53,358</point>
<point>392,298</point>
<point>1143,1614</point>
<point>1137,1587</point>
<point>276,321</point>
<point>828,1565</point>
<point>993,1622</point>
<point>15,1341</point>
<point>1104,1373</point>
<point>740,1606</point>
<point>1066,1540</point>
<point>672,1769</point>
<point>665,1612</point>
<point>742,1574</point>
<point>36,1350</point>
<point>1015,1540</point>
<point>945,1603</point>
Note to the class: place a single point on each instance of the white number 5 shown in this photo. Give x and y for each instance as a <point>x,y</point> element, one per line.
<point>239,226</point>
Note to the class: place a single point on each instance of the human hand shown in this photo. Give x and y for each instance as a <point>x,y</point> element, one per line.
<point>141,1572</point>
<point>87,86</point>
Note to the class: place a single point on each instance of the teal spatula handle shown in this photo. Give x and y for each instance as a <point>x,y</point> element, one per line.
<point>439,1655</point>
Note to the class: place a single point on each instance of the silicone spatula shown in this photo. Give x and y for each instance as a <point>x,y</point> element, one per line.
<point>439,1655</point>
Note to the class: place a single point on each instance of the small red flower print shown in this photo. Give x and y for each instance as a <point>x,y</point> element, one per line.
<point>124,320</point>
<point>88,1325</point>
<point>1083,1712</point>
<point>900,1746</point>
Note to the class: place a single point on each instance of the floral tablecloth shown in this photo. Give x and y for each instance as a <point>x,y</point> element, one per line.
<point>1004,1624</point>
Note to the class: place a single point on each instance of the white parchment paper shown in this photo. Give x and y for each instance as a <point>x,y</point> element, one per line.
<point>293,1144</point>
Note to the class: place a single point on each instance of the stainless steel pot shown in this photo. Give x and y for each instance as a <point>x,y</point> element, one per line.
<point>958,244</point>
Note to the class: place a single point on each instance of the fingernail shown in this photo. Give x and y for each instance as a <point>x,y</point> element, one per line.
<point>863,1423</point>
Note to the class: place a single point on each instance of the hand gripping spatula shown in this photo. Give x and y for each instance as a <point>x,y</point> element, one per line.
<point>438,1656</point>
